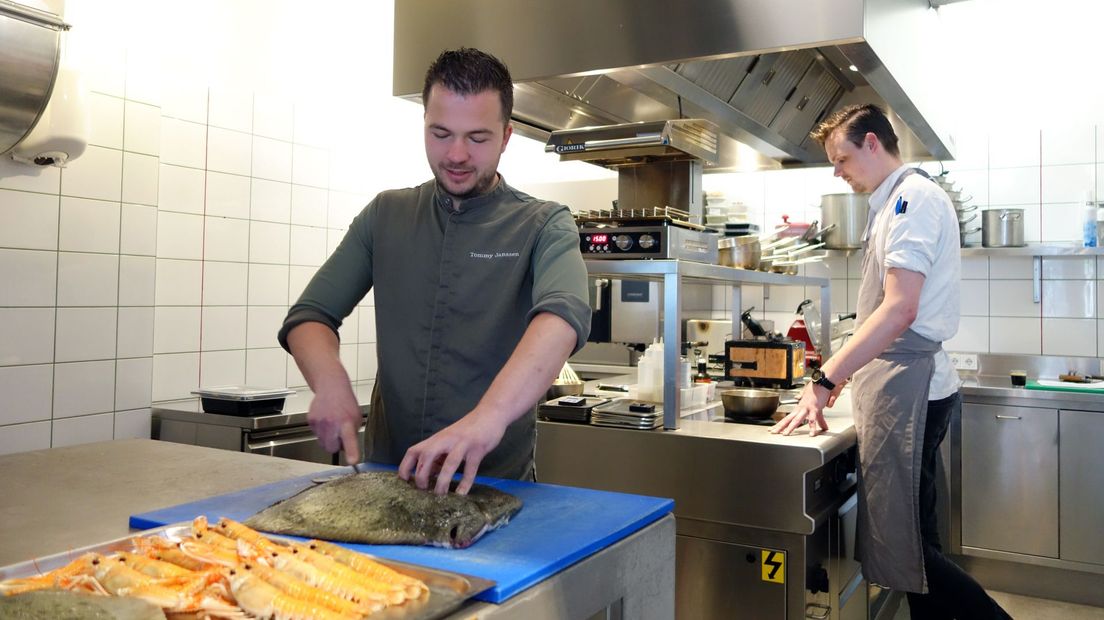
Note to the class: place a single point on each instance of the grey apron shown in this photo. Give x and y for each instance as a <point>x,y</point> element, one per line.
<point>890,396</point>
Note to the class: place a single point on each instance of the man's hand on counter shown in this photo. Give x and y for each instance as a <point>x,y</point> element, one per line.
<point>809,410</point>
<point>335,417</point>
<point>466,441</point>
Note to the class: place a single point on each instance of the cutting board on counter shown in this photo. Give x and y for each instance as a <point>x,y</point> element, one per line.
<point>1064,386</point>
<point>556,527</point>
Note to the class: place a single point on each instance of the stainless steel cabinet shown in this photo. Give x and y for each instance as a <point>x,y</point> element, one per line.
<point>1010,479</point>
<point>1081,506</point>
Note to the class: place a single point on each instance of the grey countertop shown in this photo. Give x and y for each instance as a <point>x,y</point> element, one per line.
<point>999,390</point>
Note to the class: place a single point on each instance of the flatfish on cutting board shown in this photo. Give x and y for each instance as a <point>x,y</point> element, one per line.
<point>380,508</point>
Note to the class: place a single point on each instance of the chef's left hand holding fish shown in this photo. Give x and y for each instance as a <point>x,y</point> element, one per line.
<point>526,376</point>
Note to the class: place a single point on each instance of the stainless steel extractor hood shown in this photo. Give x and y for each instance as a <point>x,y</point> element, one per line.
<point>765,72</point>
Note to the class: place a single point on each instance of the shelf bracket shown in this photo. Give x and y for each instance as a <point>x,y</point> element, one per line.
<point>1037,278</point>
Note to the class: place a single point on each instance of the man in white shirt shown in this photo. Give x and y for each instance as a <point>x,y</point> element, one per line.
<point>904,390</point>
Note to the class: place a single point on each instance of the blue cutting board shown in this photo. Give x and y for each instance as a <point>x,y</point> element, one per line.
<point>556,527</point>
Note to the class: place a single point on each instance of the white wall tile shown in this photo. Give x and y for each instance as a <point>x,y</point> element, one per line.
<point>133,383</point>
<point>223,328</point>
<point>1067,183</point>
<point>1014,335</point>
<point>348,354</point>
<point>17,176</point>
<point>225,239</point>
<point>269,243</point>
<point>96,174</point>
<point>225,284</point>
<point>272,159</point>
<point>134,424</point>
<point>273,117</point>
<point>105,68</point>
<point>180,235</point>
<point>137,280</point>
<point>229,151</point>
<point>1061,223</point>
<point>367,331</point>
<point>974,185</point>
<point>270,201</point>
<point>1069,299</point>
<point>106,127</point>
<point>342,208</point>
<point>222,368</point>
<point>83,429</point>
<point>178,282</point>
<point>348,163</point>
<point>175,375</point>
<point>308,246</point>
<point>308,206</point>
<point>87,279</point>
<point>85,334</point>
<point>971,150</point>
<point>28,278</point>
<point>1068,145</point>
<point>975,298</point>
<point>82,388</point>
<point>294,377</point>
<point>1010,268</point>
<point>185,101</point>
<point>180,189</point>
<point>266,367</point>
<point>1013,298</point>
<point>1012,147</point>
<point>973,335</point>
<point>230,109</point>
<point>264,324</point>
<point>88,225</point>
<point>140,178</point>
<point>366,362</point>
<point>1014,186</point>
<point>311,166</point>
<point>28,393</point>
<point>333,239</point>
<point>299,277</point>
<point>138,230</point>
<point>227,195</point>
<point>1075,337</point>
<point>30,220</point>
<point>975,267</point>
<point>1068,268</point>
<point>142,129</point>
<point>784,299</point>
<point>25,437</point>
<point>268,285</point>
<point>350,326</point>
<point>144,78</point>
<point>175,329</point>
<point>183,143</point>
<point>135,332</point>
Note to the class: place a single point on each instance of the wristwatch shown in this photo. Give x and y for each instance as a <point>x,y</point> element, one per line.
<point>821,379</point>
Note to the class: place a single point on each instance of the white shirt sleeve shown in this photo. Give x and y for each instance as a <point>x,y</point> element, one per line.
<point>912,238</point>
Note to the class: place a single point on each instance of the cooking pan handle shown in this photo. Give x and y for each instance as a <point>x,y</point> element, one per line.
<point>968,220</point>
<point>1010,215</point>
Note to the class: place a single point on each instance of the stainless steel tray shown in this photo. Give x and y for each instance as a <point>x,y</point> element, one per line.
<point>447,590</point>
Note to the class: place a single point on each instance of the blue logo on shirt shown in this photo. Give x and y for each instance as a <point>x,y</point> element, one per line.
<point>901,206</point>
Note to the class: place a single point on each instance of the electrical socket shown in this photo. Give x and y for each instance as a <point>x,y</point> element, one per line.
<point>964,361</point>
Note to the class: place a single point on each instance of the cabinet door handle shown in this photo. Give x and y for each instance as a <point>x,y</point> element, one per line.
<point>1008,417</point>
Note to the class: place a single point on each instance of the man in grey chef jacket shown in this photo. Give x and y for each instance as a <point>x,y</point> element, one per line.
<point>904,390</point>
<point>480,297</point>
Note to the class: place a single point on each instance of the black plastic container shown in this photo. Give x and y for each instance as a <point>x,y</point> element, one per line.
<point>243,400</point>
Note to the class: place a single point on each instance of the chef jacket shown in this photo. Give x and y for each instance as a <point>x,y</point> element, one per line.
<point>454,292</point>
<point>915,227</point>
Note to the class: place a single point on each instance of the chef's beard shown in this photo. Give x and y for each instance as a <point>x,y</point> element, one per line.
<point>482,185</point>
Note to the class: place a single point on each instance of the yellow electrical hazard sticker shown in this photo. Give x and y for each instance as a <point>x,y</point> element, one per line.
<point>774,566</point>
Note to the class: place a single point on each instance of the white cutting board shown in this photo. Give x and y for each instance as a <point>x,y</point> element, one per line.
<point>1096,385</point>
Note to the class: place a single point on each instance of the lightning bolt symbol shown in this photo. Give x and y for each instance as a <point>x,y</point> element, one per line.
<point>774,564</point>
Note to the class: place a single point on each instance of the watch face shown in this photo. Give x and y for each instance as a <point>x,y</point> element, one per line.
<point>817,375</point>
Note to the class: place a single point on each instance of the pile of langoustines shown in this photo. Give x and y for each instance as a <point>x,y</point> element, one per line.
<point>229,570</point>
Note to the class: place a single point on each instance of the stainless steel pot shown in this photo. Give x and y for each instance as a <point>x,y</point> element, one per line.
<point>749,403</point>
<point>743,252</point>
<point>847,214</point>
<point>1002,228</point>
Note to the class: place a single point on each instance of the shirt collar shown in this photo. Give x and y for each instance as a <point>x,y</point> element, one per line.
<point>880,196</point>
<point>443,200</point>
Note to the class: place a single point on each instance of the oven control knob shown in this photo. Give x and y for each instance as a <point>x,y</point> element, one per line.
<point>624,242</point>
<point>647,241</point>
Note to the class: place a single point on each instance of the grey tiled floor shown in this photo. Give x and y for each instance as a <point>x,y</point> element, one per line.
<point>1027,608</point>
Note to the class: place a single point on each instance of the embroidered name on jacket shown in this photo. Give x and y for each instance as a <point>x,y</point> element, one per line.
<point>901,206</point>
<point>491,255</point>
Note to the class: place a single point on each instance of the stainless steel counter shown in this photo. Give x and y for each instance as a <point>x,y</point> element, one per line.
<point>999,390</point>
<point>64,498</point>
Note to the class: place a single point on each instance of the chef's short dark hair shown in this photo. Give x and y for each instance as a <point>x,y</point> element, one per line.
<point>856,121</point>
<point>468,71</point>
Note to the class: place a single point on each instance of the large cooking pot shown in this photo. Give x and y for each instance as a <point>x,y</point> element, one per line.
<point>1002,228</point>
<point>746,403</point>
<point>847,213</point>
<point>743,252</point>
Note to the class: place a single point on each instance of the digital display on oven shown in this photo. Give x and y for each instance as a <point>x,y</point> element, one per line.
<point>596,239</point>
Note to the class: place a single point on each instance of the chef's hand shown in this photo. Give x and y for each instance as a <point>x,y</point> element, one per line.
<point>335,417</point>
<point>809,410</point>
<point>466,441</point>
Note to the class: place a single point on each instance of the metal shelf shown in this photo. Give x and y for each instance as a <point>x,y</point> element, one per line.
<point>1035,249</point>
<point>673,273</point>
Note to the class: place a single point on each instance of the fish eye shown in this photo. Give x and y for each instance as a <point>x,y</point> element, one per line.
<point>454,532</point>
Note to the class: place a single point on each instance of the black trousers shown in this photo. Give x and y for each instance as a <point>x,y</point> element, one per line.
<point>952,593</point>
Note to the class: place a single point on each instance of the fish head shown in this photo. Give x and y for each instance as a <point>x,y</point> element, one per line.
<point>460,529</point>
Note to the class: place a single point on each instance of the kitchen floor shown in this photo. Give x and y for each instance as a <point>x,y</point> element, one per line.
<point>1028,608</point>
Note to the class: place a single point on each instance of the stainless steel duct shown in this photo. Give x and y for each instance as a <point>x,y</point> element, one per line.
<point>29,56</point>
<point>764,72</point>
